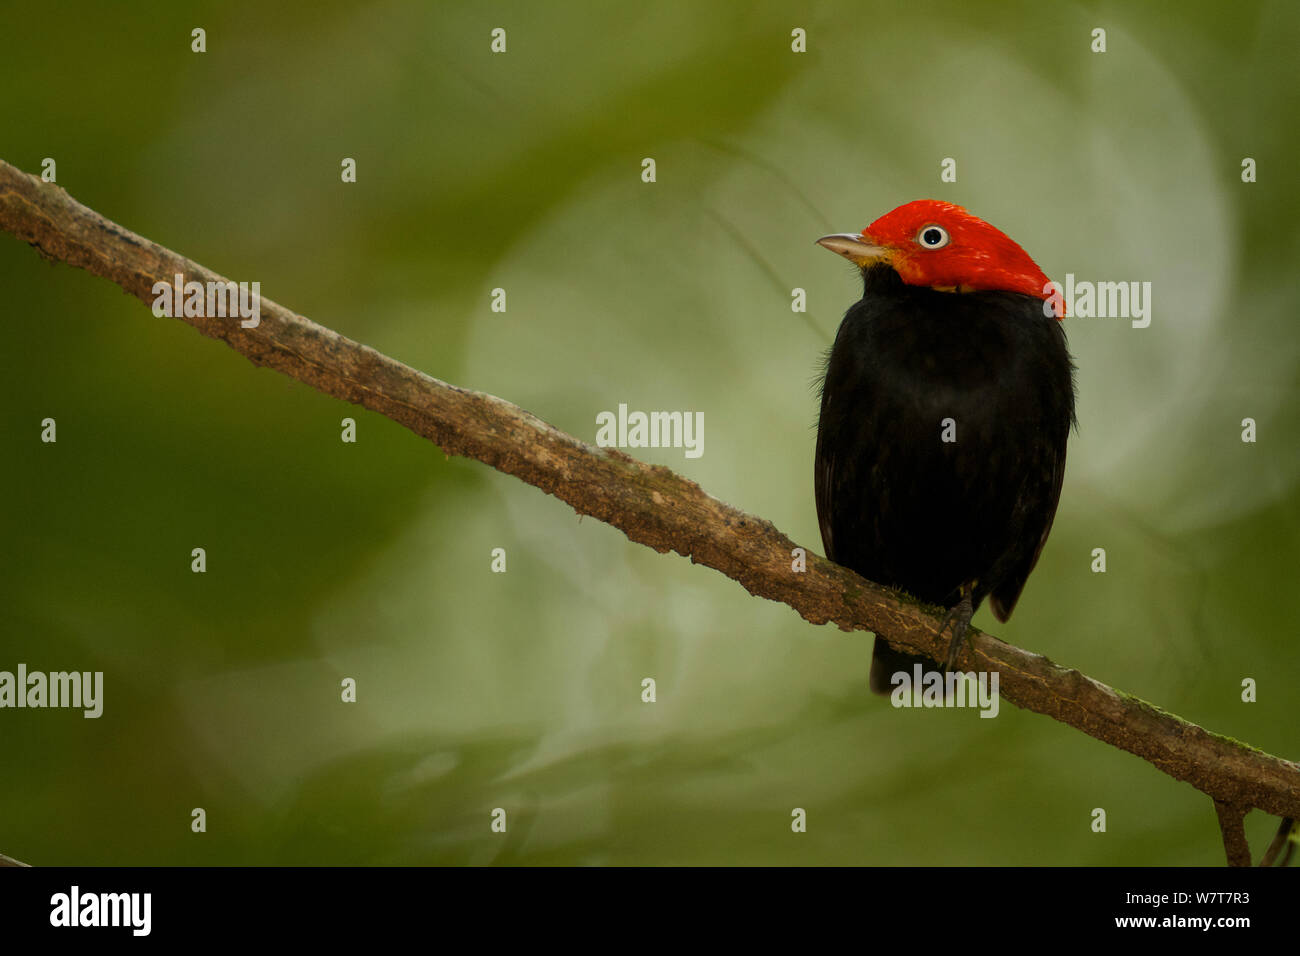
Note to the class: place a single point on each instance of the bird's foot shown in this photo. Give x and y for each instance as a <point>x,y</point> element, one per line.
<point>959,614</point>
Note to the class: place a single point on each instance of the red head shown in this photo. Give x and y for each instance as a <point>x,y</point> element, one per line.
<point>936,244</point>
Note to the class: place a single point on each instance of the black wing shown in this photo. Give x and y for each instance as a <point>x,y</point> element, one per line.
<point>1039,503</point>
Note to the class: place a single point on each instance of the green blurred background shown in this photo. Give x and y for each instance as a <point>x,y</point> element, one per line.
<point>522,690</point>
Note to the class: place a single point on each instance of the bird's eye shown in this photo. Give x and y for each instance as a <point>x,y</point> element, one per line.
<point>933,237</point>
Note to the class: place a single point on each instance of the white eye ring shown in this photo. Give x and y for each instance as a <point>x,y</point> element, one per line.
<point>933,237</point>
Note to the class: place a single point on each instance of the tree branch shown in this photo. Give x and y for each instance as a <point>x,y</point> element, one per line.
<point>1282,839</point>
<point>1232,824</point>
<point>650,504</point>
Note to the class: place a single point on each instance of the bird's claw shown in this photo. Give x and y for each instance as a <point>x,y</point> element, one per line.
<point>959,614</point>
<point>960,634</point>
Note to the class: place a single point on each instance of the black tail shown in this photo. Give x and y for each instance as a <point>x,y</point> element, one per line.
<point>885,662</point>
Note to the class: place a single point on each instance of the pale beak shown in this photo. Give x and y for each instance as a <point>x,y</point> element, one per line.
<point>858,249</point>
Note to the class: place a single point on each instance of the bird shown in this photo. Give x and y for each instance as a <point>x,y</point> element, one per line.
<point>946,406</point>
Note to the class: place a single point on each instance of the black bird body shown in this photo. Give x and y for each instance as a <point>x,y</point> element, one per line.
<point>901,506</point>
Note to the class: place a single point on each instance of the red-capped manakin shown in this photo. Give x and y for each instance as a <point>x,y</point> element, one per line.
<point>945,409</point>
